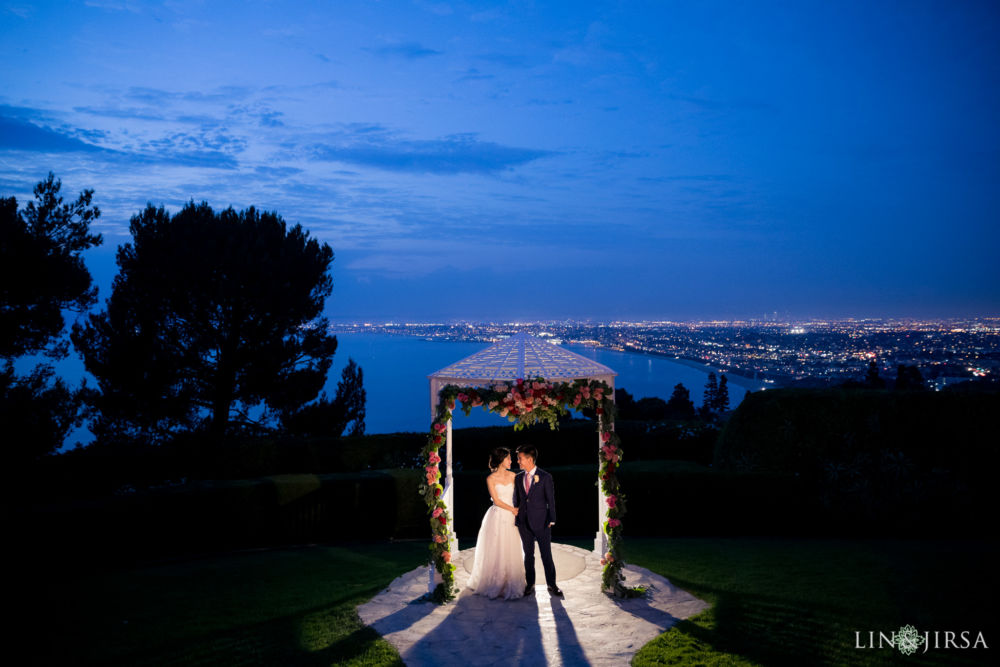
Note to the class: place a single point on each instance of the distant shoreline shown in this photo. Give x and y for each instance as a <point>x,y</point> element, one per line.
<point>735,376</point>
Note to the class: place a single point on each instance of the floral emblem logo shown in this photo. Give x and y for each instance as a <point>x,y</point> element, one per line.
<point>908,640</point>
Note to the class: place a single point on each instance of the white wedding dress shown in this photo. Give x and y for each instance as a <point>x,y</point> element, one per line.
<point>498,570</point>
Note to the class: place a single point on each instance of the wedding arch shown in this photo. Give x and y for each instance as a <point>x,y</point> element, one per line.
<point>527,380</point>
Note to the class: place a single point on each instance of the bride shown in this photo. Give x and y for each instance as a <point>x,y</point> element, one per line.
<point>498,570</point>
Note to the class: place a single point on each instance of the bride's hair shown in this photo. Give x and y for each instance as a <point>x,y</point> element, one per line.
<point>497,456</point>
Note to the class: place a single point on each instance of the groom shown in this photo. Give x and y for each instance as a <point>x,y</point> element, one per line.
<point>535,498</point>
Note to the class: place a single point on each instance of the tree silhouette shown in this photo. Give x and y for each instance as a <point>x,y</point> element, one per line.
<point>211,316</point>
<point>324,417</point>
<point>680,406</point>
<point>722,395</point>
<point>650,408</point>
<point>908,378</point>
<point>872,379</point>
<point>41,270</point>
<point>42,274</point>
<point>711,392</point>
<point>624,404</point>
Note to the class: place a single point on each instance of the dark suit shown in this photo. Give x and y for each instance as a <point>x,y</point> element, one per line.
<point>536,510</point>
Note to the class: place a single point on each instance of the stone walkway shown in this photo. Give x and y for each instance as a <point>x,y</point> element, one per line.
<point>587,627</point>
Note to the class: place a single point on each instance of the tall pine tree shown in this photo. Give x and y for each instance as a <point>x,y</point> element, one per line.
<point>722,395</point>
<point>711,394</point>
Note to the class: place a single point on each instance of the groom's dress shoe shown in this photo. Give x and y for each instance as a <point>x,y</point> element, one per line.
<point>554,590</point>
<point>529,590</point>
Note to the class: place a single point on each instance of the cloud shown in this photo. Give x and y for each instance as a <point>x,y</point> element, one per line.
<point>16,134</point>
<point>408,50</point>
<point>178,149</point>
<point>109,112</point>
<point>473,74</point>
<point>277,172</point>
<point>159,97</point>
<point>373,147</point>
<point>512,60</point>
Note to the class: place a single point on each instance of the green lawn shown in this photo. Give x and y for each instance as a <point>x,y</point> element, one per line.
<point>775,602</point>
<point>800,602</point>
<point>278,607</point>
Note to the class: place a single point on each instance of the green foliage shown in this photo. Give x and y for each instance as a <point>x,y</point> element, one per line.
<point>212,314</point>
<point>199,517</point>
<point>913,458</point>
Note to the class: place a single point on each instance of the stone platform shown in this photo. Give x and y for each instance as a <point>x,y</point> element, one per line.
<point>587,627</point>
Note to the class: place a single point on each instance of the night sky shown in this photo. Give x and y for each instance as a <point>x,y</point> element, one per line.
<point>667,160</point>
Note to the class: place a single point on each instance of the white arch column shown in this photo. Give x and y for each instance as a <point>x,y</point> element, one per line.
<point>601,539</point>
<point>434,577</point>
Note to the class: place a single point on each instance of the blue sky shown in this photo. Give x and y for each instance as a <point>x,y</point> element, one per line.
<point>542,160</point>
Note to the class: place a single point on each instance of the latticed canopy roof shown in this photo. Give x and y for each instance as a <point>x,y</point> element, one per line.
<point>522,356</point>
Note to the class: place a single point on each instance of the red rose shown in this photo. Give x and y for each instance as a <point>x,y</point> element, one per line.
<point>437,493</point>
<point>443,519</point>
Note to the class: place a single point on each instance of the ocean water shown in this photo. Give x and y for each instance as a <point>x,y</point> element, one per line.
<point>398,391</point>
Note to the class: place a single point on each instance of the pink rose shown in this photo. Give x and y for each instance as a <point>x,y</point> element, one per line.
<point>503,412</point>
<point>606,436</point>
<point>439,427</point>
<point>493,404</point>
<point>437,512</point>
<point>611,501</point>
<point>447,556</point>
<point>614,523</point>
<point>609,558</point>
<point>433,470</point>
<point>463,398</point>
<point>576,401</point>
<point>434,458</point>
<point>439,539</point>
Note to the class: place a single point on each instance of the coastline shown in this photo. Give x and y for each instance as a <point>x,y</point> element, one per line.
<point>735,376</point>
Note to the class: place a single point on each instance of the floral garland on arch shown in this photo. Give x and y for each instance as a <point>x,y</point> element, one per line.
<point>525,403</point>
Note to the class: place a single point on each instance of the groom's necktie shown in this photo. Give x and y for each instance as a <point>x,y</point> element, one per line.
<point>527,483</point>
